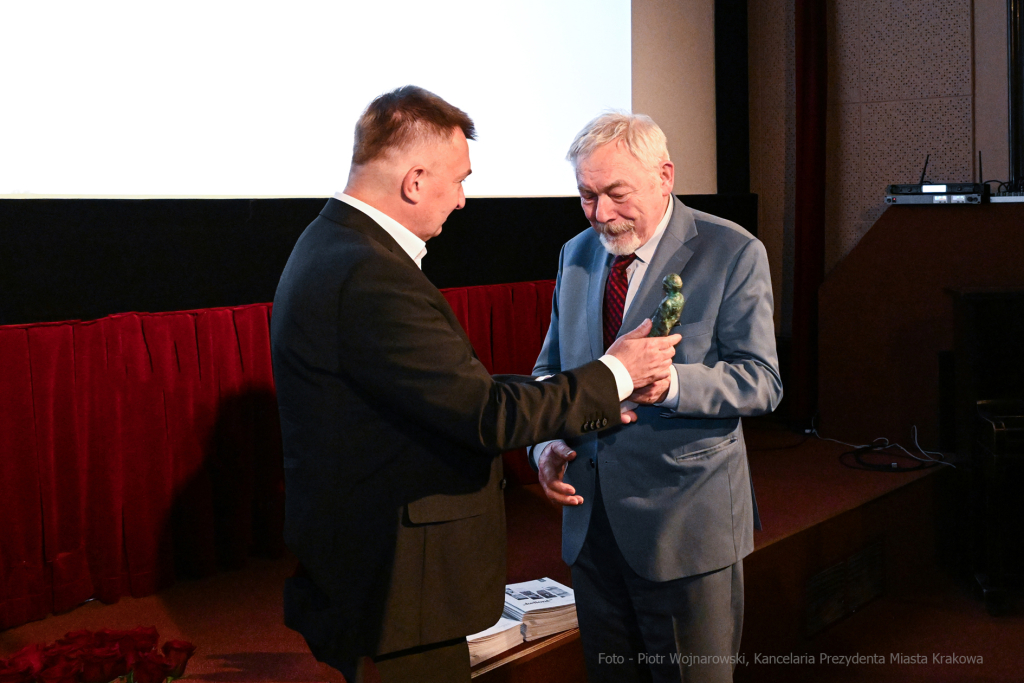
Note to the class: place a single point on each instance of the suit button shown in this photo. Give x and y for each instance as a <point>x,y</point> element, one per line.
<point>503,484</point>
<point>593,465</point>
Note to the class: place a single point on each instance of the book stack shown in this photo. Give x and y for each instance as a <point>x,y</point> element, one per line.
<point>504,635</point>
<point>543,606</point>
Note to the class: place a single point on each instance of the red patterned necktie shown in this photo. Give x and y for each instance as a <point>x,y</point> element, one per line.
<point>615,297</point>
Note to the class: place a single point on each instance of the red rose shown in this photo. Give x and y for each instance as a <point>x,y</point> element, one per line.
<point>141,639</point>
<point>150,667</point>
<point>178,652</point>
<point>28,658</point>
<point>55,654</point>
<point>81,639</point>
<point>62,672</point>
<point>101,664</point>
<point>12,674</point>
<point>106,636</point>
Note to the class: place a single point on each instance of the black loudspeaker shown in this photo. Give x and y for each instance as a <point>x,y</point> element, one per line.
<point>989,343</point>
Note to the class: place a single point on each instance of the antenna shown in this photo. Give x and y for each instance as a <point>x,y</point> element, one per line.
<point>923,170</point>
<point>981,175</point>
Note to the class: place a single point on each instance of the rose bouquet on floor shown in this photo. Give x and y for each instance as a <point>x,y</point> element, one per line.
<point>99,657</point>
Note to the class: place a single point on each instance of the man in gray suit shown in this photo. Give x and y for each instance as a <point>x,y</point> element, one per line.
<point>657,518</point>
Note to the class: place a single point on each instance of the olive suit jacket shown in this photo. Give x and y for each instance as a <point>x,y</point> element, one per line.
<point>392,431</point>
<point>675,485</point>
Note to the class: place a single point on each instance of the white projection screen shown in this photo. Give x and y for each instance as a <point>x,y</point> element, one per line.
<point>255,99</point>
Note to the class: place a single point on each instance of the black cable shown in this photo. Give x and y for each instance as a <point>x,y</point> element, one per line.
<point>882,447</point>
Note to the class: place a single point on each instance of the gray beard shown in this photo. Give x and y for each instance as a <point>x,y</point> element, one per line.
<point>621,243</point>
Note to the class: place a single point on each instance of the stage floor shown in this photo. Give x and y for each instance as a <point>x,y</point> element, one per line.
<point>234,617</point>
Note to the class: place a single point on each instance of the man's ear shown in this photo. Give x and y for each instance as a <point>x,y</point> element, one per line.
<point>667,176</point>
<point>412,184</point>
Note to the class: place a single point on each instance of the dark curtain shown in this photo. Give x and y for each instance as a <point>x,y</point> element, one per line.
<point>809,219</point>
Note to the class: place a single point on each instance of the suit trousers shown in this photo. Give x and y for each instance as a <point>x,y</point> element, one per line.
<point>634,629</point>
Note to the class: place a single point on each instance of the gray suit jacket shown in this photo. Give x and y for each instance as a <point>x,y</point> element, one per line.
<point>676,484</point>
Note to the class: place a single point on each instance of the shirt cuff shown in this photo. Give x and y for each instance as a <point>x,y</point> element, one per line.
<point>623,382</point>
<point>672,398</point>
<point>533,454</point>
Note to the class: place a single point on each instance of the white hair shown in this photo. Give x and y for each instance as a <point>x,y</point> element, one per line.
<point>638,132</point>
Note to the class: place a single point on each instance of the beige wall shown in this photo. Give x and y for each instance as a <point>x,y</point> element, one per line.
<point>674,83</point>
<point>991,118</point>
<point>900,87</point>
<point>906,78</point>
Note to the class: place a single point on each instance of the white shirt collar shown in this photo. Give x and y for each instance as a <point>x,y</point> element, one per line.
<point>646,252</point>
<point>409,242</point>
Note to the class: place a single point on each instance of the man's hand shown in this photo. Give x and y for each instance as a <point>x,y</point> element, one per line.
<point>551,465</point>
<point>648,359</point>
<point>656,392</point>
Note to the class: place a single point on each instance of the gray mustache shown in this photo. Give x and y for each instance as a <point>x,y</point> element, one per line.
<point>614,229</point>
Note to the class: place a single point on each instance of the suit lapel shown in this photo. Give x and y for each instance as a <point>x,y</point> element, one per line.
<point>600,263</point>
<point>671,256</point>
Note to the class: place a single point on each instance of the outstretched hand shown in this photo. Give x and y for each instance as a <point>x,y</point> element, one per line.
<point>551,469</point>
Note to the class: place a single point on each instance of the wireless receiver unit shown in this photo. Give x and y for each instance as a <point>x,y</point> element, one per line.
<point>936,193</point>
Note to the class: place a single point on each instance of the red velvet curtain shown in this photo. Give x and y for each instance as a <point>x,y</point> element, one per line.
<point>809,219</point>
<point>506,325</point>
<point>142,446</point>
